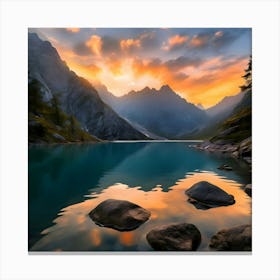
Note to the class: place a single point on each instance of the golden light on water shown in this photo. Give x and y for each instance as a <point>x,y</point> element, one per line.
<point>165,207</point>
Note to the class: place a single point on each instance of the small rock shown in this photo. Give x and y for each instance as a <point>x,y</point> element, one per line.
<point>248,160</point>
<point>204,195</point>
<point>58,137</point>
<point>235,154</point>
<point>225,167</point>
<point>175,237</point>
<point>237,238</point>
<point>121,215</point>
<point>248,189</point>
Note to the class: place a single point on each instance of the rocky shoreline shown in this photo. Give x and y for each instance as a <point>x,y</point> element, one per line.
<point>242,150</point>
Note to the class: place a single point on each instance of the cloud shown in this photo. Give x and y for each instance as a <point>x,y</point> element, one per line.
<point>130,44</point>
<point>149,40</point>
<point>175,42</point>
<point>110,45</point>
<point>180,76</point>
<point>73,30</point>
<point>224,38</point>
<point>199,41</point>
<point>82,49</point>
<point>182,62</point>
<point>219,34</point>
<point>160,71</point>
<point>95,44</point>
<point>215,40</point>
<point>201,65</point>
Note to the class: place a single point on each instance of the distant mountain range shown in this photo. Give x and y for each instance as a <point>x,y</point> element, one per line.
<point>162,112</point>
<point>95,111</point>
<point>226,104</point>
<point>77,97</point>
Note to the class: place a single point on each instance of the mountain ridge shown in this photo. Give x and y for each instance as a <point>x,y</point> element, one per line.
<point>162,112</point>
<point>77,96</point>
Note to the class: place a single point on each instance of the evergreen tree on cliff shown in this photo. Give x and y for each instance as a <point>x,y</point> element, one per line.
<point>248,77</point>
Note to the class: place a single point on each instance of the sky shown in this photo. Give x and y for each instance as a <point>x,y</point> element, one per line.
<point>203,65</point>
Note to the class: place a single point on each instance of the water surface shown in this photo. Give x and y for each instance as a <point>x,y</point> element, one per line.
<point>67,181</point>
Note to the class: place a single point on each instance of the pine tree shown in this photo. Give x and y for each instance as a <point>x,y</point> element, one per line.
<point>247,77</point>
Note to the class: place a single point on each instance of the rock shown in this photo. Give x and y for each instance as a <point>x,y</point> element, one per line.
<point>237,238</point>
<point>248,189</point>
<point>229,130</point>
<point>245,148</point>
<point>225,167</point>
<point>58,137</point>
<point>235,154</point>
<point>205,195</point>
<point>121,215</point>
<point>175,237</point>
<point>248,160</point>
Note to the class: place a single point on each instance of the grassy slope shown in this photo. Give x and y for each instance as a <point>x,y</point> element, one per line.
<point>239,126</point>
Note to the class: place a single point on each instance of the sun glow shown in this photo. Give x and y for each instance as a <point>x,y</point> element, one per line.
<point>127,66</point>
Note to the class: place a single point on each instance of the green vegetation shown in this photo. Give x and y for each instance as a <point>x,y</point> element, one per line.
<point>47,123</point>
<point>238,126</point>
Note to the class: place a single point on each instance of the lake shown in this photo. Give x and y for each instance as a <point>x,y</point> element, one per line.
<point>67,181</point>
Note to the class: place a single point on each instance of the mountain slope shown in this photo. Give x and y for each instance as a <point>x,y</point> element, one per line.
<point>238,126</point>
<point>76,95</point>
<point>162,111</point>
<point>47,123</point>
<point>227,104</point>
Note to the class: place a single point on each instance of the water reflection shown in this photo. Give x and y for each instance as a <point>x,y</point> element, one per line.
<point>75,231</point>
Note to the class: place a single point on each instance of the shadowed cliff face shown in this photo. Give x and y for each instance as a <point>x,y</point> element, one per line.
<point>77,96</point>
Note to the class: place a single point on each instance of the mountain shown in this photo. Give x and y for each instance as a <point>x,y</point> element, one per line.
<point>77,97</point>
<point>226,105</point>
<point>162,112</point>
<point>47,123</point>
<point>238,126</point>
<point>200,106</point>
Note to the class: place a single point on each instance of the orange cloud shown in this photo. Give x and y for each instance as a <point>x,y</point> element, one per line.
<point>219,34</point>
<point>95,44</point>
<point>74,30</point>
<point>115,66</point>
<point>177,40</point>
<point>205,82</point>
<point>208,86</point>
<point>127,44</point>
<point>198,41</point>
<point>174,41</point>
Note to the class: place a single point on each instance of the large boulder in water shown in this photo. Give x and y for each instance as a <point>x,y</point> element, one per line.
<point>237,238</point>
<point>174,237</point>
<point>205,195</point>
<point>121,215</point>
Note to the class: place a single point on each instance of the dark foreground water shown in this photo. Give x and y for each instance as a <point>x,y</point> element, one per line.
<point>67,181</point>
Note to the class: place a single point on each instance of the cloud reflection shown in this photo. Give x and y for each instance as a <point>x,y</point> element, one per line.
<point>79,233</point>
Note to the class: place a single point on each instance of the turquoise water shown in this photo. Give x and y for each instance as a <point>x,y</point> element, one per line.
<point>67,181</point>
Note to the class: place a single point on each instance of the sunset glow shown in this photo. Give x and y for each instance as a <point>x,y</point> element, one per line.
<point>201,65</point>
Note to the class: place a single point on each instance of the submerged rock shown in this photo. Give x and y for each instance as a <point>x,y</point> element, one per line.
<point>237,238</point>
<point>121,215</point>
<point>204,195</point>
<point>248,189</point>
<point>174,237</point>
<point>225,167</point>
